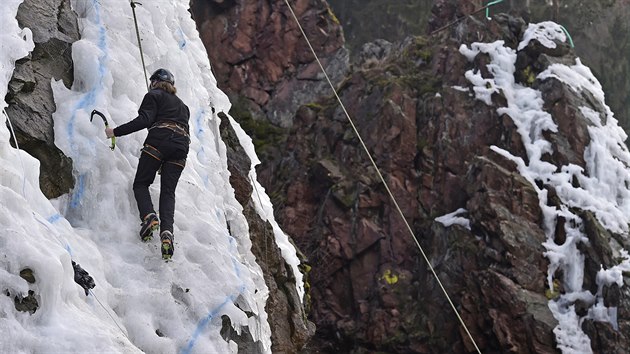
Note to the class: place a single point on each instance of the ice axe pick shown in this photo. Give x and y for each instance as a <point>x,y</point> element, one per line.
<point>106,125</point>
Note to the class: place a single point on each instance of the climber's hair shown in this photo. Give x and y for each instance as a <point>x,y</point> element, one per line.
<point>166,86</point>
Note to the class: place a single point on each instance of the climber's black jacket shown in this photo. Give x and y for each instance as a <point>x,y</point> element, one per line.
<point>159,106</point>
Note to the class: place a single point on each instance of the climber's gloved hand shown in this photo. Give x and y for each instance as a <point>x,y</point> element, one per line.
<point>82,278</point>
<point>109,132</point>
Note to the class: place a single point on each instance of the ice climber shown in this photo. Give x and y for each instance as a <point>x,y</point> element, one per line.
<point>165,149</point>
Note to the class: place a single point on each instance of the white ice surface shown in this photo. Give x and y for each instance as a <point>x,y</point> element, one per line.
<point>213,273</point>
<point>604,181</point>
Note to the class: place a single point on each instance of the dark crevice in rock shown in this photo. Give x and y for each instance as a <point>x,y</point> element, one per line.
<point>26,303</point>
<point>27,274</point>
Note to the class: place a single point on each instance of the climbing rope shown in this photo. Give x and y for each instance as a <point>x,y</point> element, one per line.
<point>18,152</point>
<point>135,21</point>
<point>391,196</point>
<point>461,18</point>
<point>110,316</point>
<point>251,181</point>
<point>488,7</point>
<point>568,35</point>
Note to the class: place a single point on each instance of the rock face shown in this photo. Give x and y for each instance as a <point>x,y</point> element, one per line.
<point>261,61</point>
<point>599,30</point>
<point>371,288</point>
<point>364,21</point>
<point>31,104</point>
<point>287,318</point>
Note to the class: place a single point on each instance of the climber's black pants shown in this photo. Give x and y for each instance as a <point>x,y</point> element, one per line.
<point>171,171</point>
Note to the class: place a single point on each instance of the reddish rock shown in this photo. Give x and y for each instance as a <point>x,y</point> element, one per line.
<point>258,53</point>
<point>434,153</point>
<point>371,289</point>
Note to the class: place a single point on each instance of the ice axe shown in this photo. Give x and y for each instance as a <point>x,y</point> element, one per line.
<point>106,125</point>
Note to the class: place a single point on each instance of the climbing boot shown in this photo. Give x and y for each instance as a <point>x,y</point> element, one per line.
<point>167,244</point>
<point>148,225</point>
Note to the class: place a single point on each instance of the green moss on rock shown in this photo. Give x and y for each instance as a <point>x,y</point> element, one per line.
<point>265,136</point>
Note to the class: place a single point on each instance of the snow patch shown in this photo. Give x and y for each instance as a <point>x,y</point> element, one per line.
<point>454,218</point>
<point>604,183</point>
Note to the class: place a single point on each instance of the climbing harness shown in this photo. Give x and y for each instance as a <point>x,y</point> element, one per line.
<point>177,128</point>
<point>156,154</point>
<point>389,192</point>
<point>135,21</point>
<point>95,112</point>
<point>152,151</point>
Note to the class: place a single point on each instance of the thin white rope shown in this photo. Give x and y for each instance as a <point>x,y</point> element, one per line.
<point>383,181</point>
<point>18,152</point>
<point>110,315</point>
<point>251,180</point>
<point>135,22</point>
